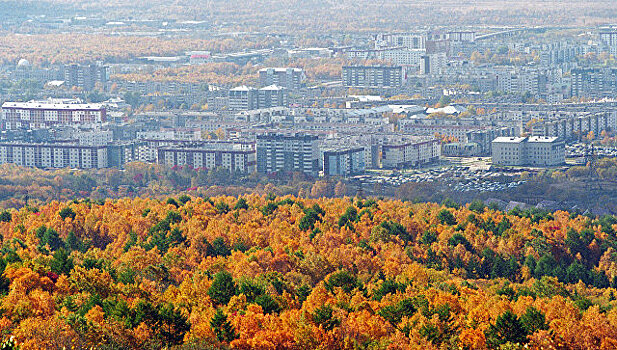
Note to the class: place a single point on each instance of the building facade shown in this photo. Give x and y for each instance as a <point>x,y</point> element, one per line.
<point>344,162</point>
<point>373,76</point>
<point>288,152</point>
<point>288,78</point>
<point>85,76</point>
<point>243,98</point>
<point>530,151</point>
<point>41,115</point>
<point>54,155</point>
<point>271,96</point>
<point>234,160</point>
<point>396,154</point>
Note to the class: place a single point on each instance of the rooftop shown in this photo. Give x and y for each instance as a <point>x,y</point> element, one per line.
<point>280,69</point>
<point>543,139</point>
<point>57,106</point>
<point>509,139</point>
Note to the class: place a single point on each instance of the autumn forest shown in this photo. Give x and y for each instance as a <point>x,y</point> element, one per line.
<point>268,272</point>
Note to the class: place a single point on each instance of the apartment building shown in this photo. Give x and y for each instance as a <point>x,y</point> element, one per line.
<point>288,78</point>
<point>94,137</point>
<point>50,155</point>
<point>577,125</point>
<point>373,76</point>
<point>531,151</point>
<point>344,161</point>
<point>408,40</point>
<point>608,38</point>
<point>271,96</point>
<point>288,152</point>
<point>397,55</point>
<point>85,76</point>
<point>407,151</point>
<point>209,156</point>
<point>42,115</point>
<point>243,98</point>
<point>594,82</point>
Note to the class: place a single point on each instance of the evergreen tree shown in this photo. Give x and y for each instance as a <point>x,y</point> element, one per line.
<point>223,288</point>
<point>222,328</point>
<point>507,328</point>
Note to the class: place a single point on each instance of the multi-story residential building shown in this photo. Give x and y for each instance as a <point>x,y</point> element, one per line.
<point>594,82</point>
<point>95,137</point>
<point>209,156</point>
<point>405,151</point>
<point>434,63</point>
<point>461,149</point>
<point>408,40</point>
<point>289,78</point>
<point>373,76</point>
<point>609,39</point>
<point>576,126</point>
<point>532,151</point>
<point>85,76</point>
<point>243,98</point>
<point>160,87</point>
<point>453,131</point>
<point>120,153</point>
<point>40,115</point>
<point>397,55</point>
<point>50,155</point>
<point>344,161</point>
<point>149,149</point>
<point>484,137</point>
<point>512,82</point>
<point>271,96</point>
<point>288,152</point>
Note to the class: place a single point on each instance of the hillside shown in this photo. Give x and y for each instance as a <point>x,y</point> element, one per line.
<point>278,273</point>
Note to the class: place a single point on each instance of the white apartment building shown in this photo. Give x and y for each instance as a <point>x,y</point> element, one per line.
<point>54,155</point>
<point>532,151</point>
<point>39,115</point>
<point>408,40</point>
<point>243,98</point>
<point>397,55</point>
<point>234,160</point>
<point>407,151</point>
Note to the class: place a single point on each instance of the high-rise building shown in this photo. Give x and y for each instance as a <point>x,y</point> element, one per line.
<point>344,161</point>
<point>609,39</point>
<point>288,78</point>
<point>372,76</point>
<point>85,76</point>
<point>271,96</point>
<point>288,152</point>
<point>243,98</point>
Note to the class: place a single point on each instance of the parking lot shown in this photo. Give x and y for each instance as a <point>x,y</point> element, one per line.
<point>457,177</point>
<point>578,150</point>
